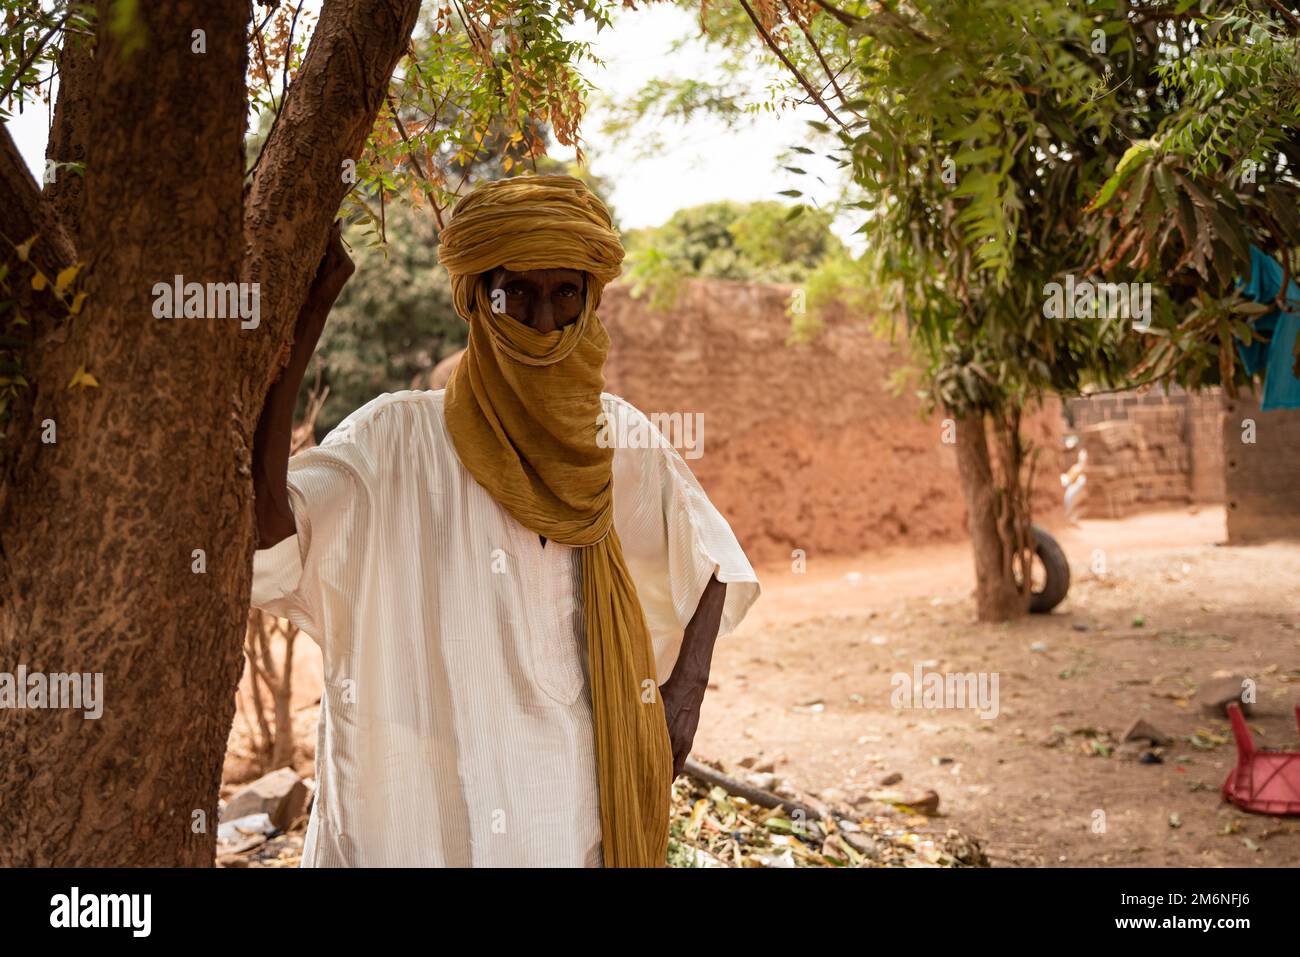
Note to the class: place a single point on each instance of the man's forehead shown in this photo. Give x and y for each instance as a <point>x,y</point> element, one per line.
<point>503,274</point>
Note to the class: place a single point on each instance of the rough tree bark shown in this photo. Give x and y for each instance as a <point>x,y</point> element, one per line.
<point>997,518</point>
<point>70,131</point>
<point>98,566</point>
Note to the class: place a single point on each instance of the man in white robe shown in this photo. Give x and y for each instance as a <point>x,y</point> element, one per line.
<point>456,724</point>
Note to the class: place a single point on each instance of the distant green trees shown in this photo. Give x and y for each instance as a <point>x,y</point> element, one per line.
<point>765,241</point>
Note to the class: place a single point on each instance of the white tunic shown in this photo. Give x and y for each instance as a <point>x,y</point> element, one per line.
<point>455,724</point>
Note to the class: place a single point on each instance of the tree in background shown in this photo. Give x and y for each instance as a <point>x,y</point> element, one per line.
<point>1218,175</point>
<point>728,240</point>
<point>978,133</point>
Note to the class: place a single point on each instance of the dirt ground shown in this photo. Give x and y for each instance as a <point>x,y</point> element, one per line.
<point>806,681</point>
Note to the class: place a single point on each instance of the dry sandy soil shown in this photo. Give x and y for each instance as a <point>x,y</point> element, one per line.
<point>806,681</point>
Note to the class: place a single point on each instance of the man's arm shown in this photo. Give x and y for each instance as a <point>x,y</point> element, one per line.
<point>684,690</point>
<point>275,427</point>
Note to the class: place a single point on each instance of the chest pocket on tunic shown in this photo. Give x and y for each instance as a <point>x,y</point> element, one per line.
<point>558,648</point>
<point>558,653</point>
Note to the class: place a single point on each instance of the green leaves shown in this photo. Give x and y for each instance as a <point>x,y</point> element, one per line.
<point>1133,157</point>
<point>766,241</point>
<point>30,43</point>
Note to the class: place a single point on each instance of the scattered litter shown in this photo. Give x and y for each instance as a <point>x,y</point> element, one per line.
<point>1221,690</point>
<point>1143,730</point>
<point>733,832</point>
<point>240,829</point>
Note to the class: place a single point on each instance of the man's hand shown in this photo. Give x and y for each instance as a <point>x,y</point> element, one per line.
<point>682,711</point>
<point>683,692</point>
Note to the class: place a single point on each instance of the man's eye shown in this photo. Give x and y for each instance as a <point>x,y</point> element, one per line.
<point>515,290</point>
<point>568,291</point>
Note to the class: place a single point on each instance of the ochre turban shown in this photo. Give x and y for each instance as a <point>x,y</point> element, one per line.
<point>530,222</point>
<point>524,411</point>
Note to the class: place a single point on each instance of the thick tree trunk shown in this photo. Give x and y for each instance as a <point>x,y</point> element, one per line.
<point>102,524</point>
<point>128,540</point>
<point>992,516</point>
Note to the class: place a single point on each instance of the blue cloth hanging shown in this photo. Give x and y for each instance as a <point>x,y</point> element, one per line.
<point>1276,357</point>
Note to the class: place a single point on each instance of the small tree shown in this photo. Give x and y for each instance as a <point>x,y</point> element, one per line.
<point>978,133</point>
<point>973,132</point>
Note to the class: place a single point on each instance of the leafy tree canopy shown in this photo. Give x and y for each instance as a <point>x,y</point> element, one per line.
<point>998,146</point>
<point>729,240</point>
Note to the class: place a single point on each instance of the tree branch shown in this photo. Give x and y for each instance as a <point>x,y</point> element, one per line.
<point>789,65</point>
<point>830,74</point>
<point>26,215</point>
<point>26,63</point>
<point>325,118</point>
<point>415,161</point>
<point>71,130</point>
<point>848,19</point>
<point>1287,14</point>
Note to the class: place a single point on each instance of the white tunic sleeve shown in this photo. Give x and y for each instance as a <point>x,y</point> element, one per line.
<point>673,538</point>
<point>309,577</point>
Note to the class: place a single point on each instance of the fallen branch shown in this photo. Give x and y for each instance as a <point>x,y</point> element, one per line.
<point>707,775</point>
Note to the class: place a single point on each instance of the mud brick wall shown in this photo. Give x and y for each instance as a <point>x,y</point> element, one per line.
<point>1262,478</point>
<point>1205,444</point>
<point>806,446</point>
<point>1150,450</point>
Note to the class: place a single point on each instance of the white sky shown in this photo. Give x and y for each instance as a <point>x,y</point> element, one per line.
<point>30,131</point>
<point>703,160</point>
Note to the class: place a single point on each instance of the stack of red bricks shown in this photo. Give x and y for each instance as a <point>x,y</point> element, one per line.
<point>1137,462</point>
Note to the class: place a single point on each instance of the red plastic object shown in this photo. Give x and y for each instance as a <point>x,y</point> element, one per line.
<point>1266,782</point>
